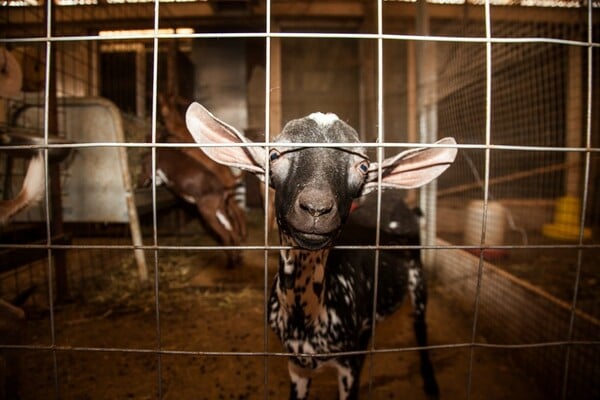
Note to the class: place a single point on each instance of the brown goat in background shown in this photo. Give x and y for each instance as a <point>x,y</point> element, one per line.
<point>191,181</point>
<point>197,179</point>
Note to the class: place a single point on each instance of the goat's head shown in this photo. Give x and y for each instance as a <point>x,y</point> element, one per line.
<point>315,186</point>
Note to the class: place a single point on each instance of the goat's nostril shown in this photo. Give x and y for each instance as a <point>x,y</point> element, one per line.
<point>316,209</point>
<point>313,203</point>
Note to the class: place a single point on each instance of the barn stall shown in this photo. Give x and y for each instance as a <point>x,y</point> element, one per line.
<point>121,291</point>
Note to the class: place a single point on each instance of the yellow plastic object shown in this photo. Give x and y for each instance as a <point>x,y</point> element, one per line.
<point>567,220</point>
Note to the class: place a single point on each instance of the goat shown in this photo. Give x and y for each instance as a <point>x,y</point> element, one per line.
<point>177,132</point>
<point>321,298</point>
<point>31,191</point>
<point>193,182</point>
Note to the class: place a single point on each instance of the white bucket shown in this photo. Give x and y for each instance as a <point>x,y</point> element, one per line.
<point>495,226</point>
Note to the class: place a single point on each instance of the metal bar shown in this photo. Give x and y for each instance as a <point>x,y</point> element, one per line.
<point>279,247</point>
<point>390,145</point>
<point>486,183</point>
<point>266,194</point>
<point>380,157</point>
<point>269,36</point>
<point>49,9</point>
<point>586,180</point>
<point>465,345</point>
<point>305,35</point>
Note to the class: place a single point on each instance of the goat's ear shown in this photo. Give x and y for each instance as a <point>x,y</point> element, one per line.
<point>412,168</point>
<point>208,129</point>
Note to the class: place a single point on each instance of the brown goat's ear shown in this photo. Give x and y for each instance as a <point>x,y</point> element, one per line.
<point>209,130</point>
<point>412,168</point>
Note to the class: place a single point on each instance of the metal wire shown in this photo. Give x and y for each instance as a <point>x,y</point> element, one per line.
<point>488,135</point>
<point>266,195</point>
<point>403,349</point>
<point>159,377</point>
<point>586,179</point>
<point>46,130</point>
<point>305,35</point>
<point>488,147</point>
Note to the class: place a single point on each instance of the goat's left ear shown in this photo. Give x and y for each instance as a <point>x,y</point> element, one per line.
<point>412,168</point>
<point>208,129</point>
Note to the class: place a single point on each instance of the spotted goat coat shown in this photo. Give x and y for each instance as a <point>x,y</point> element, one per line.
<point>322,301</point>
<point>322,297</point>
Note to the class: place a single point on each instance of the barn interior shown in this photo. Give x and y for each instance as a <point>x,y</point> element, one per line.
<point>112,287</point>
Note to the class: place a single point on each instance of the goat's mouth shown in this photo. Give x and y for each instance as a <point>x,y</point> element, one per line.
<point>309,235</point>
<point>312,241</point>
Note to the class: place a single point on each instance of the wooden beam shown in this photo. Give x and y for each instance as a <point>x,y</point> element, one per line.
<point>275,115</point>
<point>399,10</point>
<point>87,18</point>
<point>337,9</point>
<point>574,121</point>
<point>141,15</point>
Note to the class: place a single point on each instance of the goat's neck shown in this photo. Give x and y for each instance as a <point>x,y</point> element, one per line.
<point>301,285</point>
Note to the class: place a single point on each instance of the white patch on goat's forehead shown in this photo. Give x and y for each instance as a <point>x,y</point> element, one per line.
<point>323,119</point>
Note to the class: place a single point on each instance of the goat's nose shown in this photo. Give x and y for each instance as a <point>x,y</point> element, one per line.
<point>316,210</point>
<point>316,202</point>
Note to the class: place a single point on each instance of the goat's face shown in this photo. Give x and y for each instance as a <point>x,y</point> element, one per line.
<point>315,186</point>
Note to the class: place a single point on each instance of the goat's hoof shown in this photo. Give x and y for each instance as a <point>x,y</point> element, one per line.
<point>432,391</point>
<point>235,263</point>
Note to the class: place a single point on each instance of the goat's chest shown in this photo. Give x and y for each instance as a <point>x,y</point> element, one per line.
<point>315,313</point>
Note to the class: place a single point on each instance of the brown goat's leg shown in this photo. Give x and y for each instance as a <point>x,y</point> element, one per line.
<point>237,216</point>
<point>211,210</point>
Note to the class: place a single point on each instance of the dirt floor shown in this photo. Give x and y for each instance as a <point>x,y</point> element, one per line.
<point>106,340</point>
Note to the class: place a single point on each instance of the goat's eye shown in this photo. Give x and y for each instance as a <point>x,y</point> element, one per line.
<point>363,167</point>
<point>274,155</point>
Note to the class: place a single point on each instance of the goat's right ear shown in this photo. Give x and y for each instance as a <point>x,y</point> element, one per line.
<point>208,129</point>
<point>412,168</point>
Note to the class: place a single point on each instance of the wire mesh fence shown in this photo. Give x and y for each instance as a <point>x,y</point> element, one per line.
<point>514,221</point>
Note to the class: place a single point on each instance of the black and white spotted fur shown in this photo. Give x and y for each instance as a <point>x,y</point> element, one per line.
<point>345,319</point>
<point>322,298</point>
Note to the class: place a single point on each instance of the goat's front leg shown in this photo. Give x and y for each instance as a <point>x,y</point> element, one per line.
<point>418,294</point>
<point>212,211</point>
<point>349,377</point>
<point>300,379</point>
<point>237,216</point>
